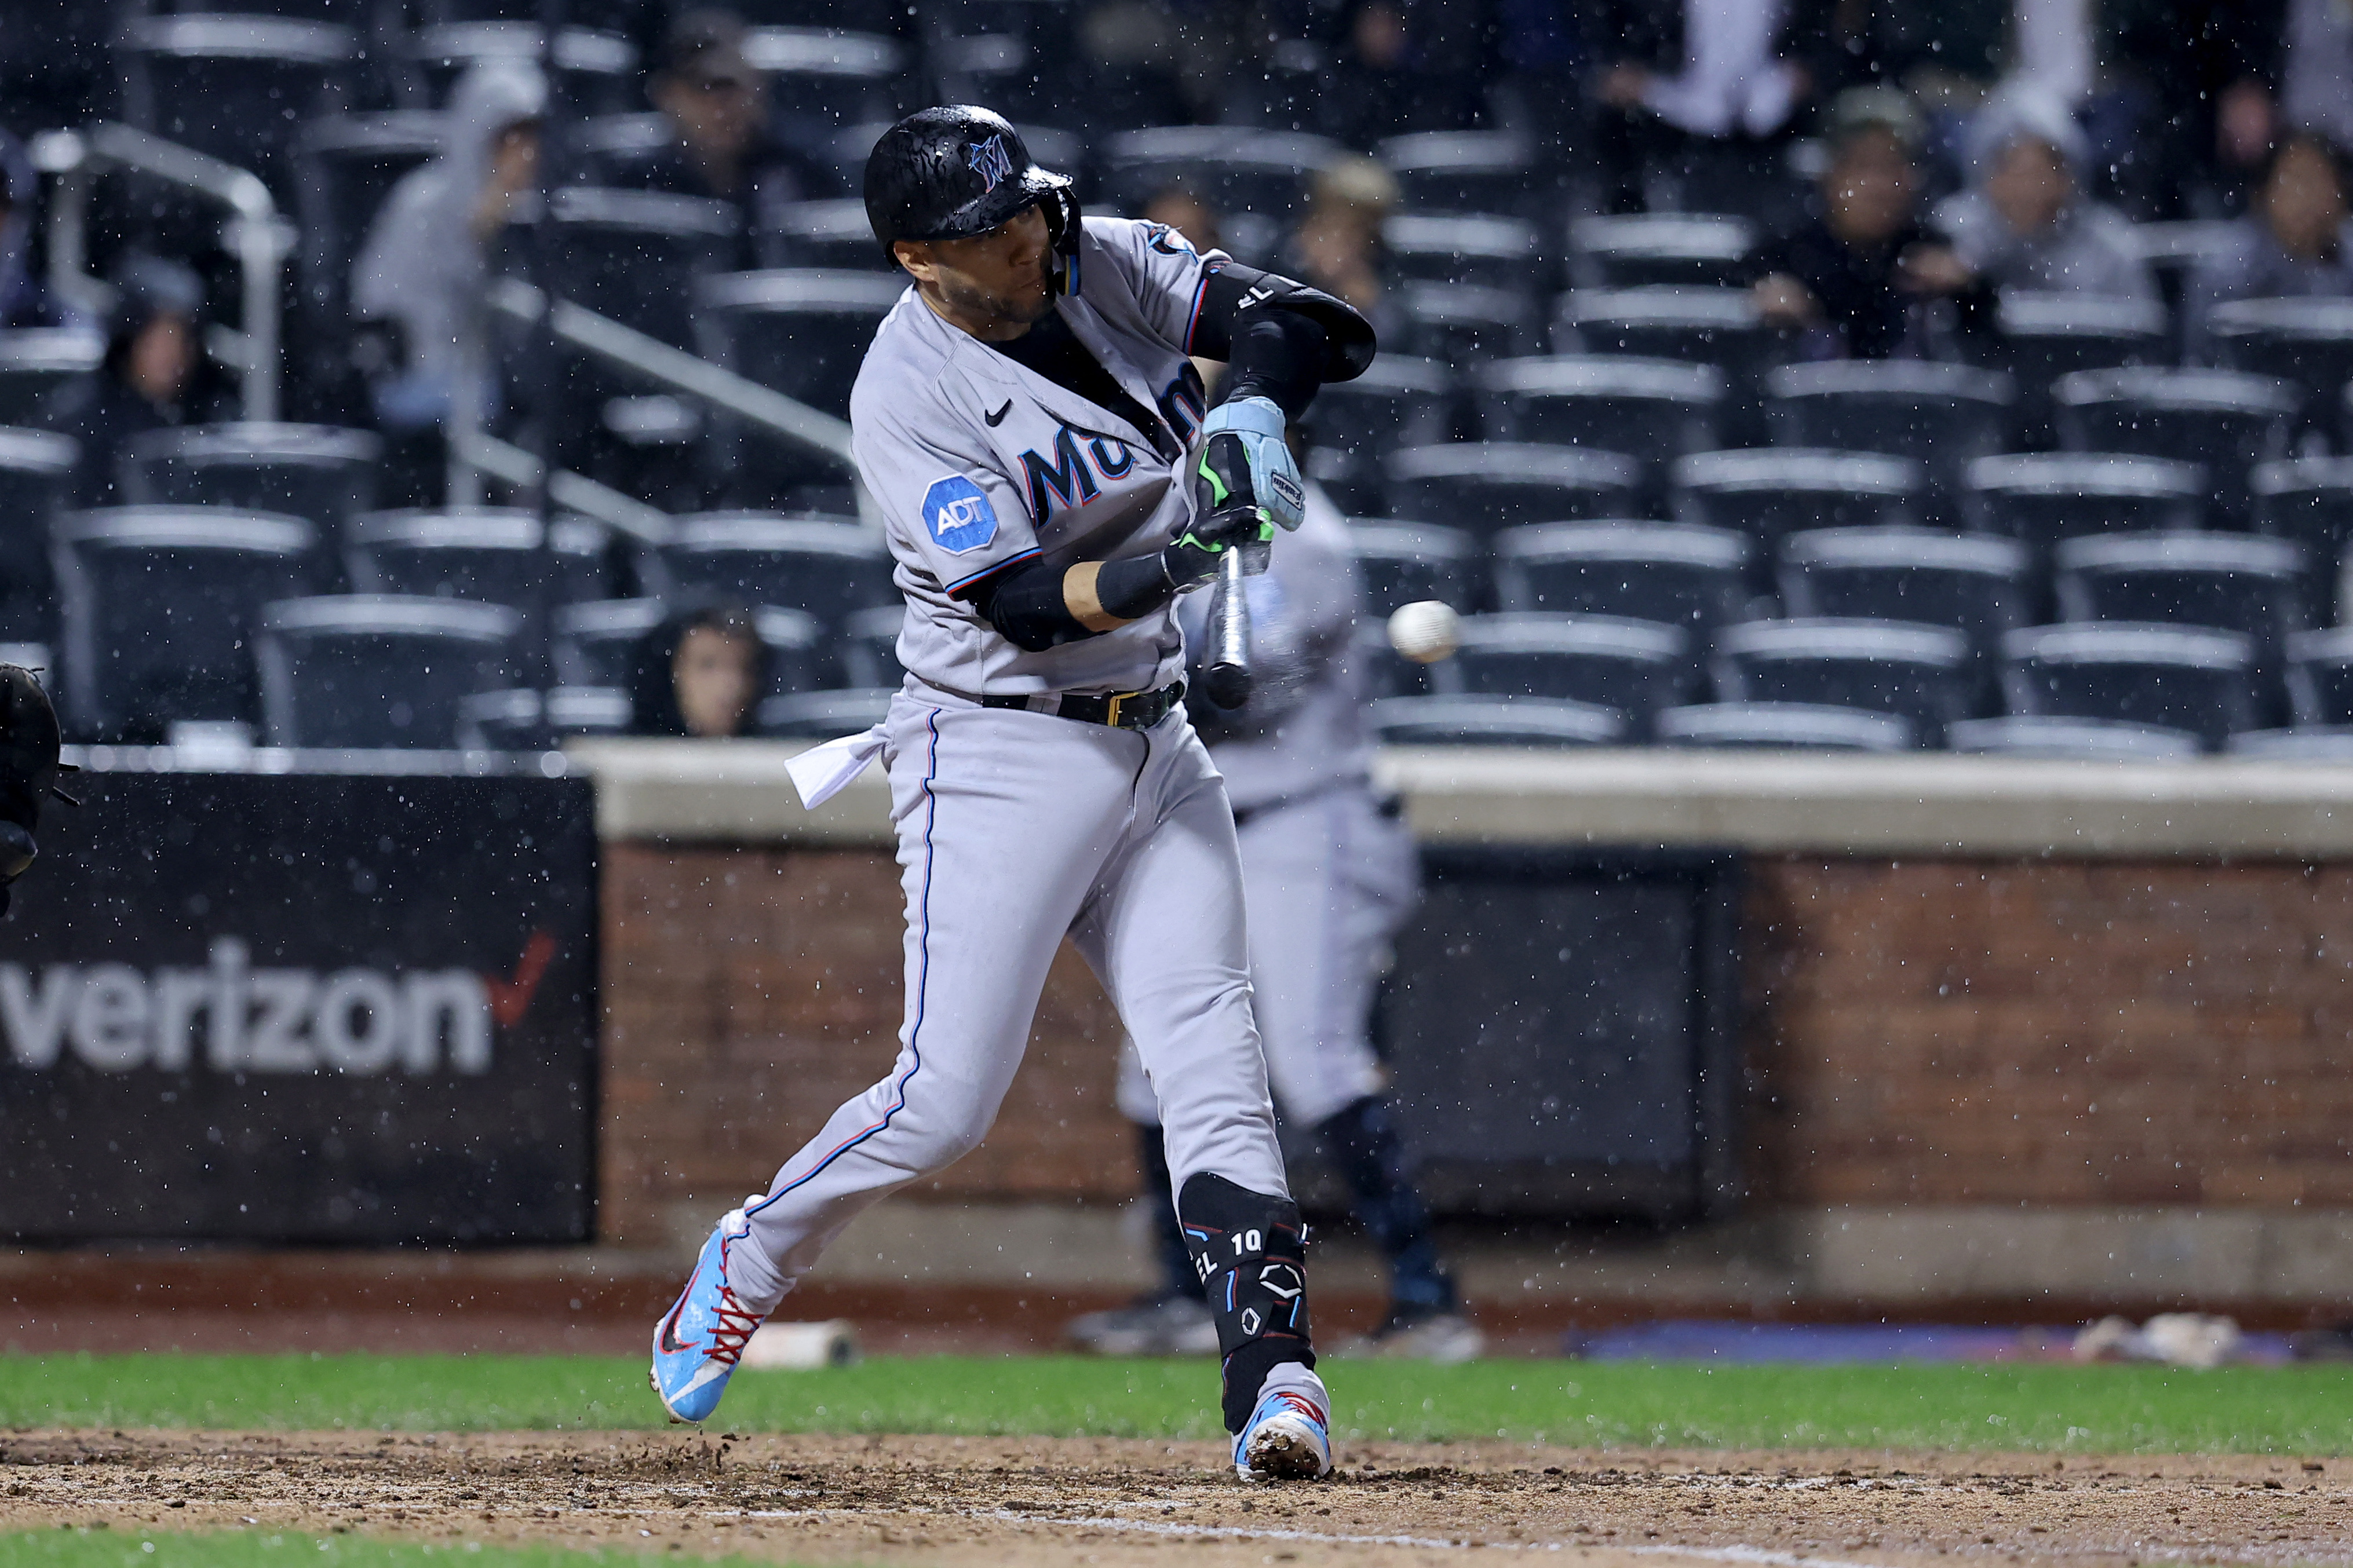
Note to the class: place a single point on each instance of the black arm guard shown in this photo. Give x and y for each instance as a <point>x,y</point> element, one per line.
<point>1232,290</point>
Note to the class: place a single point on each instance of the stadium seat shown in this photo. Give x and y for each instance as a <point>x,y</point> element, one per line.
<point>1631,668</point>
<point>158,607</point>
<point>512,720</point>
<point>1767,494</point>
<point>321,474</point>
<point>1460,171</point>
<point>1256,180</point>
<point>2309,502</point>
<point>2227,420</point>
<point>1796,726</point>
<point>825,715</point>
<point>1487,486</point>
<point>826,566</point>
<point>1478,248</point>
<point>1403,561</point>
<point>640,255</point>
<point>1675,573</point>
<point>1941,415</point>
<point>1691,325</point>
<point>2234,581</point>
<point>44,372</point>
<point>1651,410</point>
<point>378,670</point>
<point>2040,337</point>
<point>1972,583</point>
<point>2296,745</point>
<point>804,333</point>
<point>2042,497</point>
<point>34,469</point>
<point>1398,402</point>
<point>344,167</point>
<point>1923,674</point>
<point>596,644</point>
<point>1639,249</point>
<point>801,656</point>
<point>2320,677</point>
<point>488,555</point>
<point>832,235</point>
<point>598,69</point>
<point>236,87</point>
<point>2305,341</point>
<point>2181,678</point>
<point>619,151</point>
<point>1462,324</point>
<point>2083,740</point>
<point>870,647</point>
<point>1533,722</point>
<point>1382,671</point>
<point>830,75</point>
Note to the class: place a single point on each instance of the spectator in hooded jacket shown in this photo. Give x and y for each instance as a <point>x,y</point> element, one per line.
<point>2025,222</point>
<point>152,377</point>
<point>701,673</point>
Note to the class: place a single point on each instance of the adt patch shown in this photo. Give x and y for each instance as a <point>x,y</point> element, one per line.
<point>959,515</point>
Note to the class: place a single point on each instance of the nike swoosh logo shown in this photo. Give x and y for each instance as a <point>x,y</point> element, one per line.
<point>671,1343</point>
<point>998,418</point>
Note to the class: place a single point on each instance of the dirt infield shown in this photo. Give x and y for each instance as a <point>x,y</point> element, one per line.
<point>1036,1501</point>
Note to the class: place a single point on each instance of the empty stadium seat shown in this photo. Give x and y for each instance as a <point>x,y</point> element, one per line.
<point>2179,678</point>
<point>2081,740</point>
<point>1767,494</point>
<point>830,75</point>
<point>802,655</point>
<point>1631,668</point>
<point>1403,561</point>
<point>2234,581</point>
<point>1798,726</point>
<point>512,720</point>
<point>344,167</point>
<point>1462,324</point>
<point>1944,415</point>
<point>321,474</point>
<point>831,235</point>
<point>598,69</point>
<point>640,255</point>
<point>1256,180</point>
<point>43,370</point>
<point>1693,325</point>
<point>1533,722</point>
<point>1352,426</point>
<point>1923,674</point>
<point>870,647</point>
<point>596,644</point>
<point>34,469</point>
<point>2309,502</point>
<point>2045,335</point>
<point>1485,486</point>
<point>825,715</point>
<point>1973,584</point>
<point>1651,410</point>
<point>825,566</point>
<point>158,607</point>
<point>236,87</point>
<point>489,555</point>
<point>1460,171</point>
<point>2320,677</point>
<point>1639,249</point>
<point>1679,574</point>
<point>378,670</point>
<point>804,333</point>
<point>2296,745</point>
<point>1479,249</point>
<point>2227,420</point>
<point>2042,497</point>
<point>2305,341</point>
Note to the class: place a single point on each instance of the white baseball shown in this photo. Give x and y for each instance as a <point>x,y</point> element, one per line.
<point>1426,630</point>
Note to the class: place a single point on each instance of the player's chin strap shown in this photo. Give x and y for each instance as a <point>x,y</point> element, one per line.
<point>1249,1252</point>
<point>1060,206</point>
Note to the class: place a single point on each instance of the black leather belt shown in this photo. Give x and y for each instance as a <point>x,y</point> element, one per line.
<point>1120,710</point>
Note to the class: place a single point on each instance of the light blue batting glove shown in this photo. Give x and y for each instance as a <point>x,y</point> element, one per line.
<point>1274,478</point>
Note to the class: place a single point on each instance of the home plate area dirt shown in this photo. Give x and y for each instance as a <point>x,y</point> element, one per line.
<point>1037,1501</point>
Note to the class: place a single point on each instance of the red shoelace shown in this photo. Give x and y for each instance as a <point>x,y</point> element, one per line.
<point>732,1329</point>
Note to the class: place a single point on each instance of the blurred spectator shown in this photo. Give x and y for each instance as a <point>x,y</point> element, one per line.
<point>424,266</point>
<point>716,102</point>
<point>699,673</point>
<point>1337,246</point>
<point>2203,76</point>
<point>1404,65</point>
<point>2293,241</point>
<point>1182,208</point>
<point>150,374</point>
<point>1854,275</point>
<point>2025,222</point>
<point>24,298</point>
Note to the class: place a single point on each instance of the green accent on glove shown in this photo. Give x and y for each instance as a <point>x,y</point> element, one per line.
<point>1217,485</point>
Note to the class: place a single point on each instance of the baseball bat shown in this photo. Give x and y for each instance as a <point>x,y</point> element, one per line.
<point>1228,674</point>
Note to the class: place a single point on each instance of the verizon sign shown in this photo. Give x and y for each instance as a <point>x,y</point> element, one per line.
<point>302,1008</point>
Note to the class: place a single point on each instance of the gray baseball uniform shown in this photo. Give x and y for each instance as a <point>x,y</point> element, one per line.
<point>1016,827</point>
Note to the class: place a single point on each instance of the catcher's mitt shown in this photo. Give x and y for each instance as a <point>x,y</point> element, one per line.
<point>28,769</point>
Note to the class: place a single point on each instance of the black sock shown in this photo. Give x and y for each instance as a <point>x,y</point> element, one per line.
<point>1362,1141</point>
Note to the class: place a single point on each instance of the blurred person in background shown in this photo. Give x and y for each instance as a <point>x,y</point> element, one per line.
<point>2203,77</point>
<point>2292,240</point>
<point>2025,221</point>
<point>1337,246</point>
<point>721,144</point>
<point>152,377</point>
<point>1402,66</point>
<point>24,297</point>
<point>1852,278</point>
<point>426,264</point>
<point>699,673</point>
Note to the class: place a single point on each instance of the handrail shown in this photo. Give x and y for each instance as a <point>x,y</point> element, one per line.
<point>260,239</point>
<point>574,492</point>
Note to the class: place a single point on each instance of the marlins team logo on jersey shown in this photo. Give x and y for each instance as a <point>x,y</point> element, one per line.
<point>959,515</point>
<point>990,161</point>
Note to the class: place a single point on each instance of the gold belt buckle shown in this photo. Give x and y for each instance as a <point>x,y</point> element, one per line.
<point>1118,700</point>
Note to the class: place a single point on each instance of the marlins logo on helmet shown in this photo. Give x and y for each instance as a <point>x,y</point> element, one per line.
<point>990,161</point>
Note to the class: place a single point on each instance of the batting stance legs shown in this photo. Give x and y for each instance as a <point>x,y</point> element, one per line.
<point>1014,829</point>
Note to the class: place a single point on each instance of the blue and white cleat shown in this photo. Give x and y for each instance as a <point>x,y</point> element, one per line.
<point>699,1341</point>
<point>1287,1438</point>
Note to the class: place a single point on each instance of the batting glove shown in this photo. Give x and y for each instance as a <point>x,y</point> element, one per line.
<point>1274,478</point>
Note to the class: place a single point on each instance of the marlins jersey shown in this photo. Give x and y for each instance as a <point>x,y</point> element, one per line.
<point>980,463</point>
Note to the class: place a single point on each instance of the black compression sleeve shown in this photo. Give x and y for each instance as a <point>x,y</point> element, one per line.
<point>1233,295</point>
<point>1277,355</point>
<point>1027,608</point>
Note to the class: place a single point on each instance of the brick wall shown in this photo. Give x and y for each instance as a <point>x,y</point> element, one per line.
<point>2048,1033</point>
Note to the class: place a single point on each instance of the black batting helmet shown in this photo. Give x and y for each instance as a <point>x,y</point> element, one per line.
<point>957,170</point>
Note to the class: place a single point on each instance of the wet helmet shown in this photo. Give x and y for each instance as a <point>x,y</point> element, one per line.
<point>957,171</point>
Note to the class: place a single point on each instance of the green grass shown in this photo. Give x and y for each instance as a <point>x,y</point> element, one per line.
<point>85,1548</point>
<point>2098,1409</point>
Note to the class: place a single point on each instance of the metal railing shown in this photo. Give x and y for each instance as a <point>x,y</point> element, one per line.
<point>511,464</point>
<point>254,233</point>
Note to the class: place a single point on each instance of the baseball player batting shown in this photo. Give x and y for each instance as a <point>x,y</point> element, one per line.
<point>1031,428</point>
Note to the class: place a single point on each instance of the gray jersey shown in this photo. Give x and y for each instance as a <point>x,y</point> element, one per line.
<point>978,462</point>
